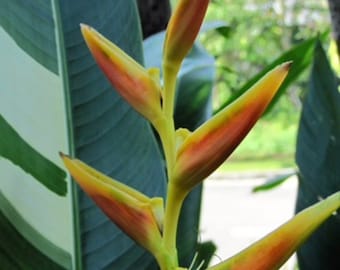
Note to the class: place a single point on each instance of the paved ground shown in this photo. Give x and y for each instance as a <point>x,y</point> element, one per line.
<point>233,216</point>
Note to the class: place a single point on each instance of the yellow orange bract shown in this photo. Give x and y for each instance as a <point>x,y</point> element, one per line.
<point>139,87</point>
<point>207,147</point>
<point>137,215</point>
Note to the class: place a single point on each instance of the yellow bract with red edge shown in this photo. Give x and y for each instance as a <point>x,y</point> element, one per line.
<point>138,86</point>
<point>137,215</point>
<point>204,150</point>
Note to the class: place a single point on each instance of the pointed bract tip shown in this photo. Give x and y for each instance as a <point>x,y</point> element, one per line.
<point>288,64</point>
<point>84,28</point>
<point>62,155</point>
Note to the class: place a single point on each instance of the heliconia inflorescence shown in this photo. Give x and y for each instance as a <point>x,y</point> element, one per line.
<point>190,156</point>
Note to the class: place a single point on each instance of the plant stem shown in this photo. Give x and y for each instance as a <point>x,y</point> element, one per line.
<point>165,260</point>
<point>166,130</point>
<point>170,76</point>
<point>173,207</point>
<point>165,126</point>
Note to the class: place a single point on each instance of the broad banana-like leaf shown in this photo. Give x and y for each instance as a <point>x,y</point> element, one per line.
<point>55,98</point>
<point>192,108</point>
<point>318,159</point>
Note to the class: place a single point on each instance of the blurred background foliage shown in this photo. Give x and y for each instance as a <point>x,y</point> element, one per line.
<point>256,33</point>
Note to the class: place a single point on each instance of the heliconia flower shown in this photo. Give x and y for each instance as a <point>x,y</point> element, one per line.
<point>137,215</point>
<point>273,250</point>
<point>204,150</point>
<point>138,86</point>
<point>182,30</point>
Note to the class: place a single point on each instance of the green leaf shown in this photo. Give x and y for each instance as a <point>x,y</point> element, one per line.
<point>15,247</point>
<point>18,151</point>
<point>205,253</point>
<point>318,158</point>
<point>273,182</point>
<point>32,102</point>
<point>301,55</point>
<point>70,106</point>
<point>28,16</point>
<point>105,129</point>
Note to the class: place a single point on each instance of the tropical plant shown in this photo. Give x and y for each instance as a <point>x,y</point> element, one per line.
<point>62,228</point>
<point>190,156</point>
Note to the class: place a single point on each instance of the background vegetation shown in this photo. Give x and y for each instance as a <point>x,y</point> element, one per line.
<point>258,32</point>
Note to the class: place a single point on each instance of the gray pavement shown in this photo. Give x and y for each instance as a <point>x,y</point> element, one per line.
<point>234,217</point>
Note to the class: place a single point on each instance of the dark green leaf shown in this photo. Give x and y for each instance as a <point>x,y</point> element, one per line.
<point>108,134</point>
<point>273,182</point>
<point>318,159</point>
<point>28,17</point>
<point>16,248</point>
<point>301,55</point>
<point>103,130</point>
<point>18,151</point>
<point>205,253</point>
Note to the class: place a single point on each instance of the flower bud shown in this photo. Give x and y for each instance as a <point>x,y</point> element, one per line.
<point>182,30</point>
<point>139,87</point>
